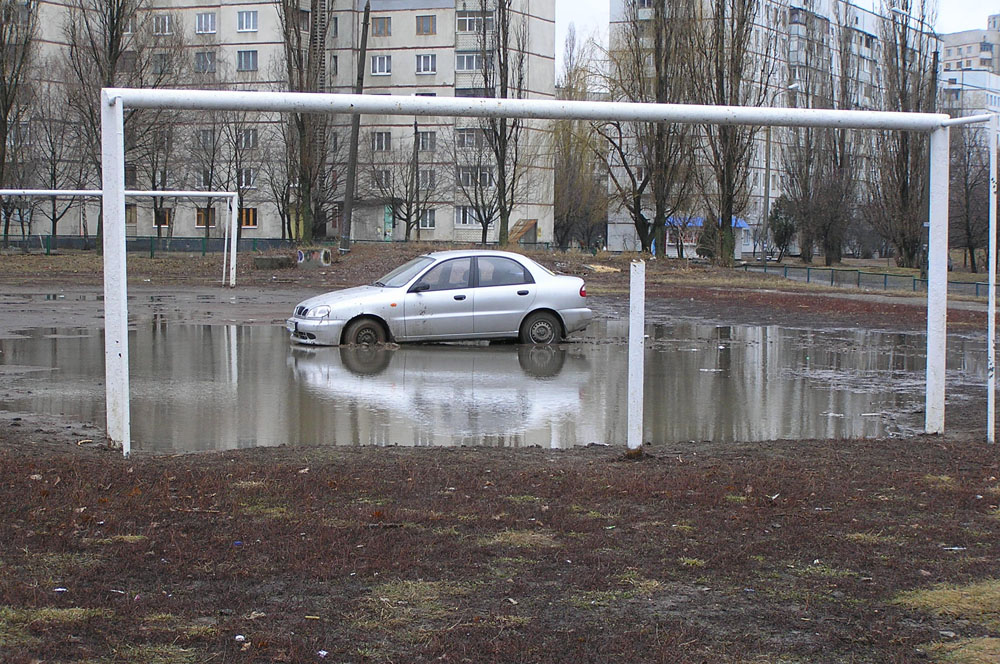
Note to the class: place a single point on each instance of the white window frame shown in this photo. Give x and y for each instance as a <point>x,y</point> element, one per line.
<point>465,215</point>
<point>205,23</point>
<point>208,60</point>
<point>466,61</point>
<point>426,178</point>
<point>427,220</point>
<point>469,137</point>
<point>381,141</point>
<point>472,21</point>
<point>426,140</point>
<point>426,63</point>
<point>162,24</point>
<point>248,138</point>
<point>246,20</point>
<point>381,65</point>
<point>246,178</point>
<point>242,58</point>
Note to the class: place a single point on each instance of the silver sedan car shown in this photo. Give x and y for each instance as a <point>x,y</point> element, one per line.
<point>445,296</point>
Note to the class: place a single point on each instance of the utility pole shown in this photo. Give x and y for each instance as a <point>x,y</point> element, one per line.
<point>352,159</point>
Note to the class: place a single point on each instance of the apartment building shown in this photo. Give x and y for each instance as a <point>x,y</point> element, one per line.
<point>415,47</point>
<point>970,64</point>
<point>803,37</point>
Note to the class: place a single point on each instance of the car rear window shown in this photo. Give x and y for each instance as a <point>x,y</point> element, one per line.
<point>497,271</point>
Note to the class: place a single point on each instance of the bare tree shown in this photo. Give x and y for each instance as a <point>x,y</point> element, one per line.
<point>279,171</point>
<point>126,44</point>
<point>57,142</point>
<point>304,37</point>
<point>648,62</point>
<point>733,63</point>
<point>475,179</point>
<point>18,25</point>
<point>503,68</point>
<point>969,191</point>
<point>581,193</point>
<point>900,163</point>
<point>403,176</point>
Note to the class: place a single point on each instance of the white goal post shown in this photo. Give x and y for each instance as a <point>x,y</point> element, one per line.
<point>115,100</point>
<point>228,244</point>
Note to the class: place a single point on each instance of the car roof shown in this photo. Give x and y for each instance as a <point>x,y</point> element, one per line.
<point>460,253</point>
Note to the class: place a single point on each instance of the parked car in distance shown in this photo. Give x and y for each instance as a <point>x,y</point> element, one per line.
<point>449,296</point>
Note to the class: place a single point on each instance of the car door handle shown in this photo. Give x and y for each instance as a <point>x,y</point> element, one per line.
<point>522,292</point>
<point>459,297</point>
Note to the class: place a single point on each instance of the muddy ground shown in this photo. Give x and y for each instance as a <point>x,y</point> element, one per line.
<point>787,551</point>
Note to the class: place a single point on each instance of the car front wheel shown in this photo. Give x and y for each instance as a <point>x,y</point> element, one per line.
<point>364,332</point>
<point>540,328</point>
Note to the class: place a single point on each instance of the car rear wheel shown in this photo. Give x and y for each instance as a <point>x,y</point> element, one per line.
<point>364,332</point>
<point>541,329</point>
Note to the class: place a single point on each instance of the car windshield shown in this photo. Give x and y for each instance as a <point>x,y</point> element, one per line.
<point>404,273</point>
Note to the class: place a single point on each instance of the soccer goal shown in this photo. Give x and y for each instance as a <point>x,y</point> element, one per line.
<point>228,245</point>
<point>115,100</point>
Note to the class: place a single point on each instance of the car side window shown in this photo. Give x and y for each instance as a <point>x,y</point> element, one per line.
<point>498,271</point>
<point>448,275</point>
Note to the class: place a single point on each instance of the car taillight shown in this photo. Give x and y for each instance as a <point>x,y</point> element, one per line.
<point>583,290</point>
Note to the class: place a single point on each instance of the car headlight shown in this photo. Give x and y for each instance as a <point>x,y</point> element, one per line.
<point>321,311</point>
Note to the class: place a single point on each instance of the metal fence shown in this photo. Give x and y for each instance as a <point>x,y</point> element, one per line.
<point>854,278</point>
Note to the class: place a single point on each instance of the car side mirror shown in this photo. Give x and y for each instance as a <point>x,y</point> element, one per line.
<point>420,287</point>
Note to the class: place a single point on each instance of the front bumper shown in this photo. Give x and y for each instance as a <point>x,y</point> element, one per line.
<point>576,319</point>
<point>315,331</point>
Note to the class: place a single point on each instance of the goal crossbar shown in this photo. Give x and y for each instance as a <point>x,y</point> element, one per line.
<point>115,100</point>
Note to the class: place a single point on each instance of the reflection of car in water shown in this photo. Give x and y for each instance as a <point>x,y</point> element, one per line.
<point>467,393</point>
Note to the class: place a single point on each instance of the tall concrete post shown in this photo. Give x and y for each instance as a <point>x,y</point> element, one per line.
<point>937,281</point>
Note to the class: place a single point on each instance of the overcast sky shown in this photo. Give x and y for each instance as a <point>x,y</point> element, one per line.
<point>591,17</point>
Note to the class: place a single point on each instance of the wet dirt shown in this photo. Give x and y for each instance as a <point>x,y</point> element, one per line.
<point>703,552</point>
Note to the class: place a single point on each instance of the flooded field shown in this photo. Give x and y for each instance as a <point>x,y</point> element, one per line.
<point>206,387</point>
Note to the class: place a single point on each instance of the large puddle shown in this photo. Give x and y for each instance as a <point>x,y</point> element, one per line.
<point>201,387</point>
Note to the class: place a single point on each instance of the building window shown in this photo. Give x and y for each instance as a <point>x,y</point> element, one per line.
<point>246,60</point>
<point>206,138</point>
<point>426,140</point>
<point>204,217</point>
<point>381,26</point>
<point>333,65</point>
<point>162,24</point>
<point>246,21</point>
<point>474,92</point>
<point>204,62</point>
<point>161,64</point>
<point>473,21</point>
<point>248,138</point>
<point>131,214</point>
<point>205,23</point>
<point>131,175</point>
<point>205,178</point>
<point>470,137</point>
<point>248,217</point>
<point>246,178</point>
<point>160,178</point>
<point>305,20</point>
<point>129,27</point>
<point>465,215</point>
<point>425,178</point>
<point>427,219</point>
<point>333,27</point>
<point>427,25</point>
<point>469,61</point>
<point>383,178</point>
<point>163,217</point>
<point>127,62</point>
<point>469,176</point>
<point>381,141</point>
<point>381,65</point>
<point>427,64</point>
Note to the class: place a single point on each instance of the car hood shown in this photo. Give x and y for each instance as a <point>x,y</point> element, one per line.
<point>343,297</point>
